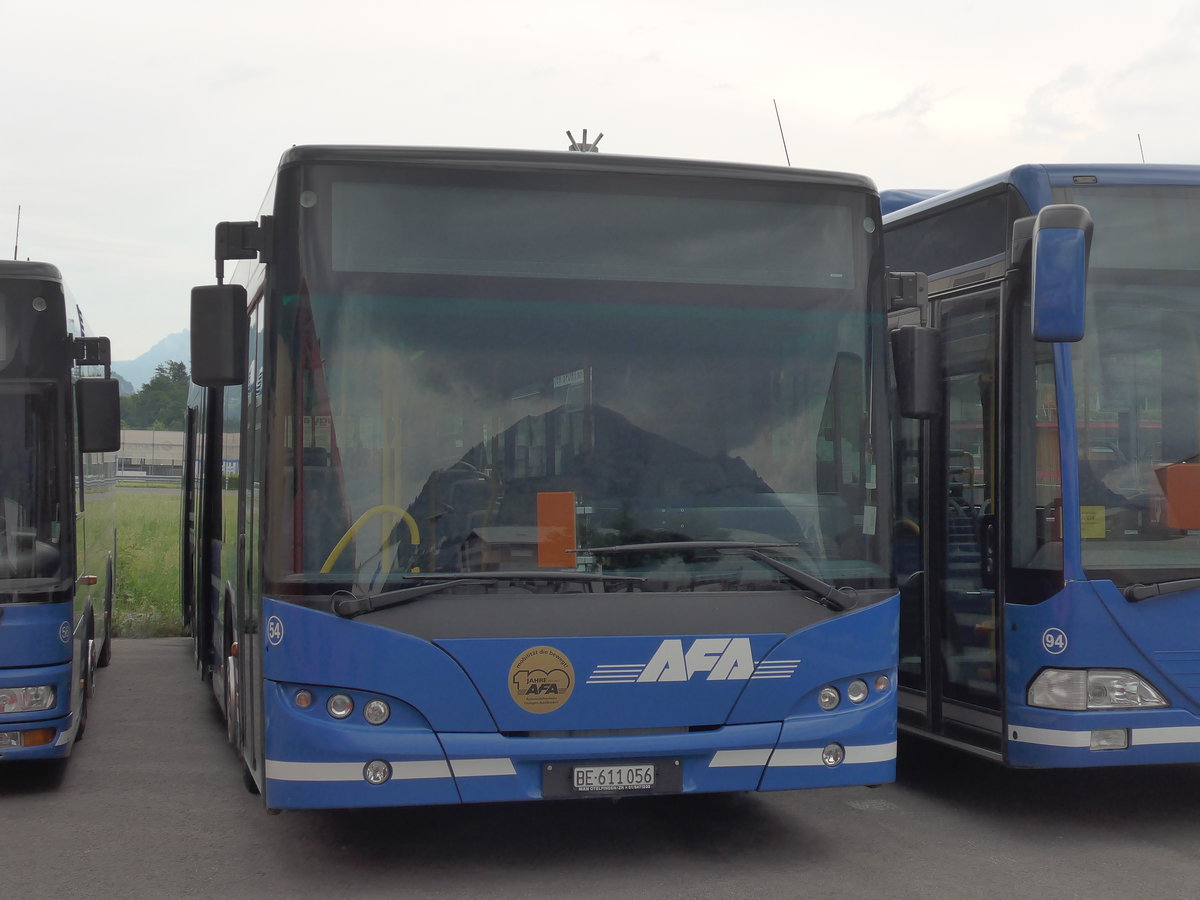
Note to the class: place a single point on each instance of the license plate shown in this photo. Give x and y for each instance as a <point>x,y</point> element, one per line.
<point>606,779</point>
<point>611,778</point>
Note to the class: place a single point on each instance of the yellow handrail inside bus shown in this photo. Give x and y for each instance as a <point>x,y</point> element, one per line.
<point>361,521</point>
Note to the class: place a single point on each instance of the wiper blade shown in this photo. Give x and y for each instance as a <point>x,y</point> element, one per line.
<point>348,605</point>
<point>836,598</point>
<point>1135,593</point>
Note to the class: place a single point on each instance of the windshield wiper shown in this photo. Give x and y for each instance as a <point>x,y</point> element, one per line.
<point>348,604</point>
<point>1135,593</point>
<point>835,598</point>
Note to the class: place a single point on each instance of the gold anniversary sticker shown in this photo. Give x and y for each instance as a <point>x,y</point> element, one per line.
<point>541,680</point>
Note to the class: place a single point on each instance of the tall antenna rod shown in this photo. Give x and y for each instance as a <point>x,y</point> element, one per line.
<point>781,135</point>
<point>17,239</point>
<point>1141,149</point>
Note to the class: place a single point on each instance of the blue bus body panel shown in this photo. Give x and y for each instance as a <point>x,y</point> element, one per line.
<point>481,720</point>
<point>58,717</point>
<point>34,634</point>
<point>1035,182</point>
<point>35,649</point>
<point>1089,624</point>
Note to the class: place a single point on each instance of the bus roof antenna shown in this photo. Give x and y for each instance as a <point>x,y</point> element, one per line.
<point>1141,149</point>
<point>17,239</point>
<point>582,145</point>
<point>779,121</point>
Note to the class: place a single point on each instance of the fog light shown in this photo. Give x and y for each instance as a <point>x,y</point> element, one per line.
<point>377,771</point>
<point>833,755</point>
<point>304,699</point>
<point>339,706</point>
<point>376,712</point>
<point>10,739</point>
<point>857,692</point>
<point>829,697</point>
<point>1110,739</point>
<point>882,683</point>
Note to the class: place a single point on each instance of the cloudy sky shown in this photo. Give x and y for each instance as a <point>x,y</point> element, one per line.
<point>133,127</point>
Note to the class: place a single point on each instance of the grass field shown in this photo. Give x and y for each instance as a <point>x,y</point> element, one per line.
<point>147,596</point>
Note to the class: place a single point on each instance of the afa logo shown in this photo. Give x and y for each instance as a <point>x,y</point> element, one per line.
<point>541,679</point>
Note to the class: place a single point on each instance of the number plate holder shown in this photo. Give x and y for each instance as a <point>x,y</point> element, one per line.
<point>611,778</point>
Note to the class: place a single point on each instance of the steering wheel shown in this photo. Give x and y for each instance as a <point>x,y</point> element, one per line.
<point>362,520</point>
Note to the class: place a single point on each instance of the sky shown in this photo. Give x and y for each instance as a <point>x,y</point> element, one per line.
<point>132,128</point>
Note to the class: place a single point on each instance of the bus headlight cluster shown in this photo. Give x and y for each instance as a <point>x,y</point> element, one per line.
<point>340,706</point>
<point>829,697</point>
<point>1082,689</point>
<point>27,699</point>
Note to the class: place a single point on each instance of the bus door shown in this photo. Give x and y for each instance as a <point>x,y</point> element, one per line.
<point>949,649</point>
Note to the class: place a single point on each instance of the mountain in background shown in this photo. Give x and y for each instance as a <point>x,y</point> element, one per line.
<point>133,373</point>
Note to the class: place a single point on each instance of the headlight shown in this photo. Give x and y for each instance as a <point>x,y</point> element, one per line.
<point>339,706</point>
<point>857,692</point>
<point>829,697</point>
<point>27,699</point>
<point>1081,689</point>
<point>376,712</point>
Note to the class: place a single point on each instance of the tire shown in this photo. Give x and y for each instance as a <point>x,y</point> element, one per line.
<point>88,687</point>
<point>106,648</point>
<point>232,704</point>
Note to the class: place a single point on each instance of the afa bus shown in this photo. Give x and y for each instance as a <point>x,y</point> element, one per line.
<point>558,476</point>
<point>1048,525</point>
<point>61,425</point>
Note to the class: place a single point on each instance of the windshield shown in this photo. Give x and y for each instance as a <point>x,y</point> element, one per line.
<point>33,462</point>
<point>1137,381</point>
<point>509,396</point>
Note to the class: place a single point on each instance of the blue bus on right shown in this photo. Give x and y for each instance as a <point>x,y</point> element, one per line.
<point>1048,473</point>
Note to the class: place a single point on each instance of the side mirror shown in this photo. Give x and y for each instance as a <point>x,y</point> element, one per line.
<point>916,355</point>
<point>98,405</point>
<point>1062,240</point>
<point>219,325</point>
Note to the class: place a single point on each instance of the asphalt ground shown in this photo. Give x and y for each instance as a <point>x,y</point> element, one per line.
<point>151,804</point>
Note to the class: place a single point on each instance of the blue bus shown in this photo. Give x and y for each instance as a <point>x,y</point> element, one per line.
<point>61,426</point>
<point>559,475</point>
<point>1047,538</point>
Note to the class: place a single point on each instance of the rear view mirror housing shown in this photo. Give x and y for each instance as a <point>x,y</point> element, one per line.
<point>916,356</point>
<point>1062,240</point>
<point>219,327</point>
<point>98,407</point>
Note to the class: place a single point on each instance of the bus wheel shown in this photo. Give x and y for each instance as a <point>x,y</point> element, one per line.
<point>232,701</point>
<point>248,780</point>
<point>85,685</point>
<point>106,648</point>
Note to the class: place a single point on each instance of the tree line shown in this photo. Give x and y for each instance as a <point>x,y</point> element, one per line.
<point>161,404</point>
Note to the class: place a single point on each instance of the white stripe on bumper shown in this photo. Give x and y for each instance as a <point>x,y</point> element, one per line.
<point>1055,737</point>
<point>811,756</point>
<point>353,771</point>
<point>724,759</point>
<point>476,768</point>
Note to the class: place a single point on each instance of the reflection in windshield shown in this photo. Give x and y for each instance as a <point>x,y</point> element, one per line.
<point>455,434</point>
<point>29,505</point>
<point>1137,382</point>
